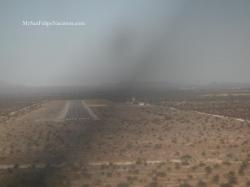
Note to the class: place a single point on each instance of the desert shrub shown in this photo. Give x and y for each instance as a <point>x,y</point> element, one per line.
<point>248,183</point>
<point>109,174</point>
<point>161,174</point>
<point>16,166</point>
<point>215,178</point>
<point>135,171</point>
<point>231,178</point>
<point>185,185</point>
<point>153,184</point>
<point>227,163</point>
<point>85,185</point>
<point>177,166</point>
<point>131,179</point>
<point>201,184</point>
<point>97,182</point>
<point>241,171</point>
<point>242,168</point>
<point>202,164</point>
<point>208,169</point>
<point>203,153</point>
<point>123,184</point>
<point>194,168</point>
<point>216,166</point>
<point>226,185</point>
<point>186,157</point>
<point>140,161</point>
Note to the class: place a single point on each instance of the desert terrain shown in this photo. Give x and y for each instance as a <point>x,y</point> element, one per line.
<point>203,141</point>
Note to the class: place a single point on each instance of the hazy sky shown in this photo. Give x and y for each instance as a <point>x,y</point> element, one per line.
<point>187,41</point>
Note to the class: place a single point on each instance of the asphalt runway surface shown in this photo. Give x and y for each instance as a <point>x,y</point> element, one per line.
<point>77,111</point>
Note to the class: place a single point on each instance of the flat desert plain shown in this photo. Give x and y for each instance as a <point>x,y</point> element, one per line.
<point>97,142</point>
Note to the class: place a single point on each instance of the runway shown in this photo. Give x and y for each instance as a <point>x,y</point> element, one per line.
<point>77,111</point>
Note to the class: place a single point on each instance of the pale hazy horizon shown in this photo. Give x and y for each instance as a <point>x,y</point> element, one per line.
<point>177,41</point>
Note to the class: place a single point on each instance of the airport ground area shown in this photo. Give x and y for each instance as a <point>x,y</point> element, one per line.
<point>107,143</point>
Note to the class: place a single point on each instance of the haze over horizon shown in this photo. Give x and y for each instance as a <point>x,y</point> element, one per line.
<point>179,41</point>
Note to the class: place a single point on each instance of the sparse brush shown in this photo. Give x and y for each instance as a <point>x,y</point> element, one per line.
<point>153,184</point>
<point>226,185</point>
<point>215,178</point>
<point>124,184</point>
<point>248,183</point>
<point>231,178</point>
<point>208,169</point>
<point>161,174</point>
<point>201,184</point>
<point>185,185</point>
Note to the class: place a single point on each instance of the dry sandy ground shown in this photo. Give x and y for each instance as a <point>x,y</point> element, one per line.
<point>38,136</point>
<point>159,146</point>
<point>130,145</point>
